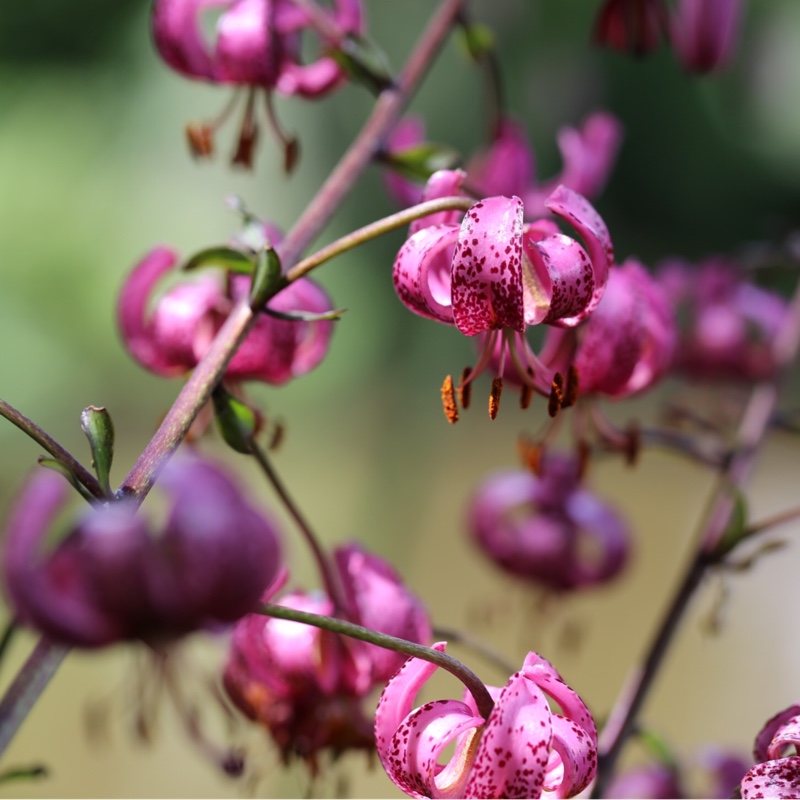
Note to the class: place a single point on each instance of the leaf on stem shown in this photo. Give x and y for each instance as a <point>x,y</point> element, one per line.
<point>63,469</point>
<point>223,256</point>
<point>477,39</point>
<point>419,162</point>
<point>267,278</point>
<point>364,62</point>
<point>99,429</point>
<point>236,420</point>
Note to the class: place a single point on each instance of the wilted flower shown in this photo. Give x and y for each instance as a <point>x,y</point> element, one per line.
<point>523,749</point>
<point>547,527</point>
<point>114,577</point>
<point>730,322</point>
<point>173,338</point>
<point>306,685</point>
<point>494,274</point>
<point>258,45</point>
<point>777,771</point>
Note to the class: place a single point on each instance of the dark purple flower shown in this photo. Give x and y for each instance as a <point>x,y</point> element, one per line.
<point>114,577</point>
<point>547,528</point>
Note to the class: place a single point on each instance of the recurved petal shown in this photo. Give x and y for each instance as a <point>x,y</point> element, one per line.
<point>443,183</point>
<point>761,750</point>
<point>779,778</point>
<point>573,763</point>
<point>487,268</point>
<point>511,759</point>
<point>576,210</point>
<point>178,38</point>
<point>422,272</point>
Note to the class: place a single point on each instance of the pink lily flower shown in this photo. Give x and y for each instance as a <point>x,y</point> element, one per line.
<point>113,578</point>
<point>777,773</point>
<point>547,528</point>
<point>704,33</point>
<point>258,45</point>
<point>522,750</point>
<point>172,339</point>
<point>306,685</point>
<point>494,274</point>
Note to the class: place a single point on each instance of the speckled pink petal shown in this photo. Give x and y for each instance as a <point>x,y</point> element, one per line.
<point>396,703</point>
<point>178,38</point>
<point>581,215</point>
<point>487,268</point>
<point>575,764</point>
<point>422,272</point>
<point>780,778</point>
<point>786,737</point>
<point>420,740</point>
<point>514,749</point>
<point>761,750</point>
<point>443,183</point>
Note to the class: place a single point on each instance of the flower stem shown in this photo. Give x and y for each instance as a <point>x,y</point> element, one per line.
<point>752,428</point>
<point>322,207</point>
<point>769,523</point>
<point>483,700</point>
<point>53,447</point>
<point>323,562</point>
<point>376,229</point>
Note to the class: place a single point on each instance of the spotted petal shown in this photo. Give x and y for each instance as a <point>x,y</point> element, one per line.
<point>779,778</point>
<point>487,268</point>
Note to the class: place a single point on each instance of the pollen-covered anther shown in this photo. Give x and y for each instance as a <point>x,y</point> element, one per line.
<point>465,388</point>
<point>200,138</point>
<point>494,397</point>
<point>556,400</point>
<point>449,400</point>
<point>571,390</point>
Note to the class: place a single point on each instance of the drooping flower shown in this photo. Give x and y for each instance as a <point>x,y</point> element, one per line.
<point>730,323</point>
<point>631,26</point>
<point>258,45</point>
<point>777,771</point>
<point>494,274</point>
<point>114,577</point>
<point>172,338</point>
<point>523,749</point>
<point>547,528</point>
<point>306,685</point>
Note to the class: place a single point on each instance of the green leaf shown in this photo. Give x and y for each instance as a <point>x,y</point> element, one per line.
<point>737,527</point>
<point>223,256</point>
<point>658,747</point>
<point>364,62</point>
<point>62,469</point>
<point>419,162</point>
<point>99,429</point>
<point>477,39</point>
<point>305,316</point>
<point>267,278</point>
<point>24,773</point>
<point>236,420</point>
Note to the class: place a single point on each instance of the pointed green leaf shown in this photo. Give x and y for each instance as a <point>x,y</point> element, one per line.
<point>236,420</point>
<point>267,278</point>
<point>364,62</point>
<point>737,527</point>
<point>99,429</point>
<point>24,773</point>
<point>61,468</point>
<point>419,162</point>
<point>477,39</point>
<point>223,256</point>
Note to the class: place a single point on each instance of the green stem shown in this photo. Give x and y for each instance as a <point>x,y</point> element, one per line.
<point>53,447</point>
<point>483,700</point>
<point>323,562</point>
<point>376,229</point>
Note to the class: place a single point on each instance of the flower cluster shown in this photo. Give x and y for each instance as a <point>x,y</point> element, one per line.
<point>173,338</point>
<point>523,749</point>
<point>307,686</point>
<point>113,577</point>
<point>546,527</point>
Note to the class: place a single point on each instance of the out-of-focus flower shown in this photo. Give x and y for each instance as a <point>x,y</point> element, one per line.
<point>777,771</point>
<point>493,274</point>
<point>703,33</point>
<point>408,133</point>
<point>113,577</point>
<point>306,685</point>
<point>522,750</point>
<point>547,527</point>
<point>648,781</point>
<point>730,323</point>
<point>172,338</point>
<point>258,45</point>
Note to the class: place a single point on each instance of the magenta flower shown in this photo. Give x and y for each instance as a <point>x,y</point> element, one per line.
<point>408,133</point>
<point>547,527</point>
<point>631,26</point>
<point>494,274</point>
<point>730,323</point>
<point>704,33</point>
<point>173,338</point>
<point>258,45</point>
<point>306,685</point>
<point>777,773</point>
<point>113,578</point>
<point>522,750</point>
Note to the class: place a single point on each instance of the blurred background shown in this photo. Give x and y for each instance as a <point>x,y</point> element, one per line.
<point>95,172</point>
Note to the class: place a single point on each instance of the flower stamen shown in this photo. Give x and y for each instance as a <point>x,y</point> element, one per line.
<point>449,400</point>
